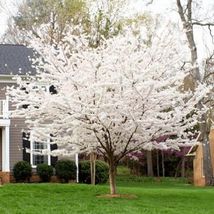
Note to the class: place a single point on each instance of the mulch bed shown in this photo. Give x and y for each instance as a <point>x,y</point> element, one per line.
<point>126,196</point>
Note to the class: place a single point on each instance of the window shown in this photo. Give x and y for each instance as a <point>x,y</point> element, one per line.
<point>37,153</point>
<point>33,152</point>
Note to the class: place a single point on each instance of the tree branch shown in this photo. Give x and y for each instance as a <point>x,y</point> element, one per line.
<point>202,24</point>
<point>127,144</point>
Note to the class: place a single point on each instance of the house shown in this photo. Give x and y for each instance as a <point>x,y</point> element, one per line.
<point>15,60</point>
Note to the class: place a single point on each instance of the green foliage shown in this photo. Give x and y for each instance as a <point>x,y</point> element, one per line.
<point>22,171</point>
<point>45,172</point>
<point>37,12</point>
<point>33,13</point>
<point>65,170</point>
<point>84,172</point>
<point>142,181</point>
<point>104,23</point>
<point>72,10</point>
<point>123,170</point>
<point>105,28</point>
<point>55,13</point>
<point>101,172</point>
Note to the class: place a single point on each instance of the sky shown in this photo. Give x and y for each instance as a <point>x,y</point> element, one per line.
<point>7,8</point>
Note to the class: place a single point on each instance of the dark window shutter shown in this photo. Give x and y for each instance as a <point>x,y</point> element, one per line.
<point>25,106</point>
<point>53,158</point>
<point>25,145</point>
<point>52,89</point>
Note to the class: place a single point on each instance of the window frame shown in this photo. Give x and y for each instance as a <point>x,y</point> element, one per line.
<point>32,153</point>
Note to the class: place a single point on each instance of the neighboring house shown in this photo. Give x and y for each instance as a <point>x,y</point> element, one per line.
<point>15,60</point>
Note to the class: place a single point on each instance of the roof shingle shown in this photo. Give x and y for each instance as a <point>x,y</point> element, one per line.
<point>15,59</point>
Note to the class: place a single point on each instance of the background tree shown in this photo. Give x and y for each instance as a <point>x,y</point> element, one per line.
<point>99,19</point>
<point>34,13</point>
<point>189,20</point>
<point>149,161</point>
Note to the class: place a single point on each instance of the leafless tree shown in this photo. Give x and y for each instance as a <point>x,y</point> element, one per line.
<point>185,12</point>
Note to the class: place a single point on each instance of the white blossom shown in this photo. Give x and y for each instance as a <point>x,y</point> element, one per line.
<point>115,99</point>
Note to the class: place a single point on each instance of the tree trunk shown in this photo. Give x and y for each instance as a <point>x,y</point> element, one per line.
<point>112,177</point>
<point>158,166</point>
<point>177,171</point>
<point>207,163</point>
<point>93,168</point>
<point>150,171</point>
<point>183,161</point>
<point>162,163</point>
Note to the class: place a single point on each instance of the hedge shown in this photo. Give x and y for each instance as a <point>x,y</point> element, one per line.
<point>45,172</point>
<point>65,170</point>
<point>22,171</point>
<point>101,172</point>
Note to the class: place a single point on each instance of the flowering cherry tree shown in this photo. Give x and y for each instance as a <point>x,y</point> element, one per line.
<point>115,99</point>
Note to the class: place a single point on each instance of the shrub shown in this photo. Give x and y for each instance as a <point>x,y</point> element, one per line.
<point>84,172</point>
<point>101,172</point>
<point>65,170</point>
<point>45,172</point>
<point>22,171</point>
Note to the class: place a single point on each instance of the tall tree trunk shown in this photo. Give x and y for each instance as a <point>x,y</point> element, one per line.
<point>207,163</point>
<point>183,164</point>
<point>150,171</point>
<point>157,163</point>
<point>177,171</point>
<point>162,163</point>
<point>186,18</point>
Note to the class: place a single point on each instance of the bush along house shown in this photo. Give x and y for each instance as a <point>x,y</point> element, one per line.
<point>15,60</point>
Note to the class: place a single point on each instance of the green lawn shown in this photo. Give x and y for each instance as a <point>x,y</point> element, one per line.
<point>153,197</point>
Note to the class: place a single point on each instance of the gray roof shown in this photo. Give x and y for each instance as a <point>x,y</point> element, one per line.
<point>15,59</point>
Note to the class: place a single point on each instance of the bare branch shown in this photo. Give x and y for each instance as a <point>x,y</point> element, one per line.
<point>203,24</point>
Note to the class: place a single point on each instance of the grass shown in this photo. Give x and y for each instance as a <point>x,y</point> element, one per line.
<point>123,170</point>
<point>168,196</point>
